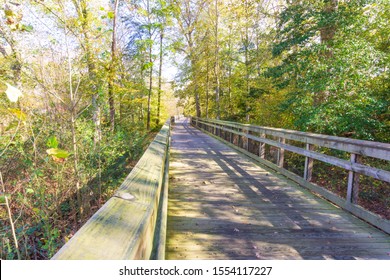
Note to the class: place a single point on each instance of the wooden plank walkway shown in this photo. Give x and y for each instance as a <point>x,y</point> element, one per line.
<point>222,205</point>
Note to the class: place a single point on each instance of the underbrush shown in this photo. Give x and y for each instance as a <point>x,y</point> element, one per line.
<point>40,189</point>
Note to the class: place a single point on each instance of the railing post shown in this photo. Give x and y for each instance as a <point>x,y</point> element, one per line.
<point>247,140</point>
<point>308,164</point>
<point>245,143</point>
<point>281,153</point>
<point>240,139</point>
<point>262,147</point>
<point>353,183</point>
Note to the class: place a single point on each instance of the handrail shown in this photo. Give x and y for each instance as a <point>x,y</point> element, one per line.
<point>356,148</point>
<point>128,224</point>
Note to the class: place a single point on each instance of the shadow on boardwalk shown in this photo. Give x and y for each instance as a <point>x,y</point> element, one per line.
<point>224,206</point>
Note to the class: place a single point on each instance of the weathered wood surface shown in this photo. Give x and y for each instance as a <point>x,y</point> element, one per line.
<point>360,147</point>
<point>376,173</point>
<point>353,166</point>
<point>124,228</point>
<point>222,205</point>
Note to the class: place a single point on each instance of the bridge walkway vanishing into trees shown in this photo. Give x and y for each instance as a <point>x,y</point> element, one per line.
<point>224,205</point>
<point>226,200</point>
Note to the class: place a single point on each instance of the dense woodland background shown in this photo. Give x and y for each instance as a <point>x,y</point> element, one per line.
<point>84,85</point>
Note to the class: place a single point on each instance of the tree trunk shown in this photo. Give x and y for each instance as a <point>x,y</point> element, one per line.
<point>196,93</point>
<point>150,89</point>
<point>159,76</point>
<point>246,46</point>
<point>112,70</point>
<point>216,66</point>
<point>151,67</point>
<point>83,14</point>
<point>247,88</point>
<point>207,86</point>
<point>230,74</point>
<point>197,101</point>
<point>327,34</point>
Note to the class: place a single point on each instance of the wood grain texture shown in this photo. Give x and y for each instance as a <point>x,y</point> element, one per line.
<point>222,205</point>
<point>352,165</point>
<point>355,146</point>
<point>357,210</point>
<point>124,227</point>
<point>376,173</point>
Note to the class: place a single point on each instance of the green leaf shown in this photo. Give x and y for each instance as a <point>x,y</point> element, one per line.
<point>3,196</point>
<point>52,142</point>
<point>58,153</point>
<point>28,191</point>
<point>147,66</point>
<point>12,125</point>
<point>110,14</point>
<point>27,28</point>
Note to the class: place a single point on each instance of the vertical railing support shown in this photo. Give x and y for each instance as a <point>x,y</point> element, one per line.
<point>280,160</point>
<point>308,171</point>
<point>245,140</point>
<point>262,147</point>
<point>353,182</point>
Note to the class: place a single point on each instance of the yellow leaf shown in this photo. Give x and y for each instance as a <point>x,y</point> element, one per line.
<point>18,113</point>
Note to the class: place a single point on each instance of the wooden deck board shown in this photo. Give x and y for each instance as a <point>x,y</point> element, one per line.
<point>224,206</point>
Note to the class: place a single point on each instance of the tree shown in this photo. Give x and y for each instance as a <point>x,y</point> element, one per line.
<point>112,67</point>
<point>188,14</point>
<point>326,67</point>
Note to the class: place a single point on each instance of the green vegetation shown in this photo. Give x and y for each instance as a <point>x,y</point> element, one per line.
<point>74,115</point>
<point>82,90</point>
<point>319,66</point>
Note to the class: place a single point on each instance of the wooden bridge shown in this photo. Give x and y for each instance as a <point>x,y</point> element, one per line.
<point>224,200</point>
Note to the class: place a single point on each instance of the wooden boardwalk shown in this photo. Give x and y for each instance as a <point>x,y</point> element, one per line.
<point>222,205</point>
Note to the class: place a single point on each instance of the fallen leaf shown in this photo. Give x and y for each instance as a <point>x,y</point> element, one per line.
<point>13,93</point>
<point>236,230</point>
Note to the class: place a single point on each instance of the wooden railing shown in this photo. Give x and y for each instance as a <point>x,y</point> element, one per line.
<point>131,224</point>
<point>240,136</point>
